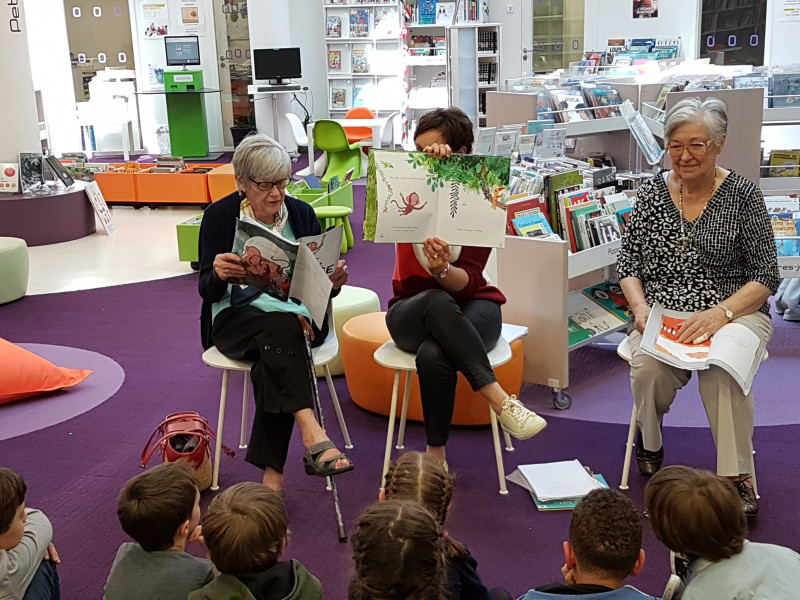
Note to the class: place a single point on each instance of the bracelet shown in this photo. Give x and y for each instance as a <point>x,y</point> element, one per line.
<point>443,273</point>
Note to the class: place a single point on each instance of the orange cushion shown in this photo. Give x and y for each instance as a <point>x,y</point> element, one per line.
<point>26,374</point>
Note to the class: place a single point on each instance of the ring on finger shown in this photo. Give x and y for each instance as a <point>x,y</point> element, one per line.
<point>226,270</point>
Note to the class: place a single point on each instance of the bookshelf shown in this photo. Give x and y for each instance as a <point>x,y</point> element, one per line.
<point>363,54</point>
<point>474,66</point>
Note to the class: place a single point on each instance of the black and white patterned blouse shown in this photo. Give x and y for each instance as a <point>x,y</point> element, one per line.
<point>731,244</point>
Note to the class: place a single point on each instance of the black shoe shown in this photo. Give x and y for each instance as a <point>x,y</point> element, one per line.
<point>648,462</point>
<point>747,496</point>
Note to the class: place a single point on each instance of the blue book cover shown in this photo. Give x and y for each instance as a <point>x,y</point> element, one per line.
<point>427,12</point>
<point>533,225</point>
<point>566,504</point>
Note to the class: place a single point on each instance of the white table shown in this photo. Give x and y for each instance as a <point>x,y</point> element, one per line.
<point>377,125</point>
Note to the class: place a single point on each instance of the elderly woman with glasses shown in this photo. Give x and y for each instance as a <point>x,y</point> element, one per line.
<point>699,240</point>
<point>247,325</point>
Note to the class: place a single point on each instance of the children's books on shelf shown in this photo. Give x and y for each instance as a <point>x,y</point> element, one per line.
<point>361,92</point>
<point>412,196</point>
<point>784,157</point>
<point>505,142</point>
<point>427,12</point>
<point>608,294</point>
<point>523,206</point>
<point>334,60</point>
<point>445,12</point>
<point>359,22</point>
<point>360,60</point>
<point>591,317</point>
<point>334,25</point>
<point>386,22</point>
<point>337,98</point>
<point>9,177</point>
<point>785,90</point>
<point>484,141</point>
<point>606,100</point>
<point>568,104</point>
<point>534,225</point>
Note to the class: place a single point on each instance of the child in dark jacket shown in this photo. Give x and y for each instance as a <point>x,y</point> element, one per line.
<point>245,534</point>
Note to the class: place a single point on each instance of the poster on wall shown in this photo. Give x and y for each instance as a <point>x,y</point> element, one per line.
<point>190,20</point>
<point>645,9</point>
<point>789,10</point>
<point>155,20</point>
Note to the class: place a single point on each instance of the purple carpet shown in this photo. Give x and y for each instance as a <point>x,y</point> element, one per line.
<point>75,468</point>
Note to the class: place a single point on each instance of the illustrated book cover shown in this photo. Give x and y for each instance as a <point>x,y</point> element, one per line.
<point>334,27</point>
<point>337,97</point>
<point>334,60</point>
<point>359,23</point>
<point>9,177</point>
<point>608,294</point>
<point>412,196</point>
<point>785,90</point>
<point>100,207</point>
<point>427,12</point>
<point>734,347</point>
<point>285,269</point>
<point>784,157</point>
<point>360,61</point>
<point>592,317</point>
<point>30,170</point>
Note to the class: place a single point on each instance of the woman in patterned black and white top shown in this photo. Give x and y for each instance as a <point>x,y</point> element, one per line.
<point>699,240</point>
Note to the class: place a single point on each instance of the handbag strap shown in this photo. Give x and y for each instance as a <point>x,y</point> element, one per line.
<point>148,451</point>
<point>173,418</point>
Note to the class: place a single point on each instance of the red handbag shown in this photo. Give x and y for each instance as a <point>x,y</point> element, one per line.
<point>184,435</point>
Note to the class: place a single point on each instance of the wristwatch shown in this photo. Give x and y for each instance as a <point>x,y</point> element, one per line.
<point>728,311</point>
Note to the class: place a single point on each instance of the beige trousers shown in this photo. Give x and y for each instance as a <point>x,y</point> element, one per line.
<point>730,412</point>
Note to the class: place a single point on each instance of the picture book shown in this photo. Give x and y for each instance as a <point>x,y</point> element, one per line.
<point>576,334</point>
<point>785,90</point>
<point>30,170</point>
<point>783,224</point>
<point>505,142</point>
<point>284,269</point>
<point>445,12</point>
<point>526,144</point>
<point>359,22</point>
<point>608,294</point>
<point>412,196</point>
<point>569,103</point>
<point>577,215</point>
<point>785,157</point>
<point>58,170</point>
<point>788,246</point>
<point>734,347</point>
<point>524,206</point>
<point>782,203</point>
<point>564,504</point>
<point>360,61</point>
<point>334,60</point>
<point>484,141</point>
<point>9,177</point>
<point>100,207</point>
<point>607,100</point>
<point>427,12</point>
<point>590,316</point>
<point>386,23</point>
<point>337,97</point>
<point>334,27</point>
<point>533,225</point>
<point>624,217</point>
<point>750,81</point>
<point>604,229</point>
<point>361,92</point>
<point>561,480</point>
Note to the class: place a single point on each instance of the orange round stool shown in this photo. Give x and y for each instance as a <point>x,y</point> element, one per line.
<point>370,384</point>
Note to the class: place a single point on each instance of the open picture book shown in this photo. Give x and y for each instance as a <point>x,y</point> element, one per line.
<point>734,347</point>
<point>412,196</point>
<point>285,269</point>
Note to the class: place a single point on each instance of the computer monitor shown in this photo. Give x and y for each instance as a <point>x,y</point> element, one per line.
<point>277,64</point>
<point>182,50</point>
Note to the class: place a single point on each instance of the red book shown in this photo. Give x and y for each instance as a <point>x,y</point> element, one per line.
<point>524,206</point>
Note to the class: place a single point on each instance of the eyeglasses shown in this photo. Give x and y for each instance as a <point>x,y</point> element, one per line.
<point>696,149</point>
<point>266,186</point>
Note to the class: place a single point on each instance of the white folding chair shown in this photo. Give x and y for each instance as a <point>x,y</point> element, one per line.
<point>322,354</point>
<point>624,352</point>
<point>389,355</point>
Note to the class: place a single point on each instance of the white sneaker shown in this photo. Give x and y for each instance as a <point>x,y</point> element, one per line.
<point>518,420</point>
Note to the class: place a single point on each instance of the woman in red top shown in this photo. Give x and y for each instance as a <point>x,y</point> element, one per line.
<point>444,311</point>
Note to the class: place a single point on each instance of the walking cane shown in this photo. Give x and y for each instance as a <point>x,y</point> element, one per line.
<point>318,410</point>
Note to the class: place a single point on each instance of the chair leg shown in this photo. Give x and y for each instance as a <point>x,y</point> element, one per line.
<point>626,466</point>
<point>753,473</point>
<point>245,398</point>
<point>498,454</point>
<point>337,407</point>
<point>344,235</point>
<point>509,443</point>
<point>223,398</point>
<point>404,411</point>
<point>348,233</point>
<point>387,454</point>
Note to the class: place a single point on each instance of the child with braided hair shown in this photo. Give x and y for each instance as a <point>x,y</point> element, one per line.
<point>398,554</point>
<point>424,479</point>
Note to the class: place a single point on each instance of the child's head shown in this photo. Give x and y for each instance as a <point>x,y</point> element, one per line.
<point>160,506</point>
<point>695,513</point>
<point>422,478</point>
<point>605,535</point>
<point>445,126</point>
<point>12,508</point>
<point>397,551</point>
<point>245,528</point>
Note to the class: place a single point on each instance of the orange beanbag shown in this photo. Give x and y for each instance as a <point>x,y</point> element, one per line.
<point>24,374</point>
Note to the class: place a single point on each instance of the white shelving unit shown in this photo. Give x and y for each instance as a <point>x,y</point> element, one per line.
<point>473,52</point>
<point>426,74</point>
<point>776,186</point>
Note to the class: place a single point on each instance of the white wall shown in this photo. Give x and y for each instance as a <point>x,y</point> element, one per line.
<point>515,34</point>
<point>606,19</point>
<point>781,37</point>
<point>52,73</point>
<point>153,108</point>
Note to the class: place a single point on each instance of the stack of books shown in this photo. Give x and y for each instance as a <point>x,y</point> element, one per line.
<point>560,485</point>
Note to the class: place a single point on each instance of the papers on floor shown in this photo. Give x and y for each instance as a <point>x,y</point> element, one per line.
<point>559,480</point>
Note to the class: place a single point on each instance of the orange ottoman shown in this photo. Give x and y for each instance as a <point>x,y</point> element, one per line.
<point>221,182</point>
<point>370,384</point>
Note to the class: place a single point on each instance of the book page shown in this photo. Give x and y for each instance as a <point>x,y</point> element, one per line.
<point>660,340</point>
<point>559,480</point>
<point>737,349</point>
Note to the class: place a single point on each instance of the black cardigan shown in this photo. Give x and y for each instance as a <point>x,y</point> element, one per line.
<point>217,230</point>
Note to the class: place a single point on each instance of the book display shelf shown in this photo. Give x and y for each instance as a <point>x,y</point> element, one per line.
<point>473,55</point>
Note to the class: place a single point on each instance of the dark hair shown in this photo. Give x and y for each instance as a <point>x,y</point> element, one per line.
<point>606,533</point>
<point>421,477</point>
<point>244,528</point>
<point>397,551</point>
<point>696,513</point>
<point>155,503</point>
<point>452,123</point>
<point>12,496</point>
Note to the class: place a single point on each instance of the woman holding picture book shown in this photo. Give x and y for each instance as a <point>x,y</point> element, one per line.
<point>246,324</point>
<point>700,241</point>
<point>445,311</point>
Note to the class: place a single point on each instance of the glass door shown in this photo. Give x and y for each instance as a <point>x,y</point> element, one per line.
<point>557,34</point>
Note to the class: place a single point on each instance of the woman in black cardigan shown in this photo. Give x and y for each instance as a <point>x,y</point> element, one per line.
<point>247,325</point>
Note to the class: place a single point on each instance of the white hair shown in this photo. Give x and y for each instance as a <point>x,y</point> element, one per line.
<point>260,157</point>
<point>711,112</point>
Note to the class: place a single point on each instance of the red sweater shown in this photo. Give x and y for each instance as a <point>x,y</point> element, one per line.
<point>411,278</point>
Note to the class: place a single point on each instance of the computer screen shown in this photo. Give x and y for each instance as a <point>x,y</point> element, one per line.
<point>182,50</point>
<point>276,63</point>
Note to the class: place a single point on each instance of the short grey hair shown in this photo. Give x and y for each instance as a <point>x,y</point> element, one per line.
<point>711,112</point>
<point>260,157</point>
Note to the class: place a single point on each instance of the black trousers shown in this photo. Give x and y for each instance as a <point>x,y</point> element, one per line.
<point>447,337</point>
<point>280,374</point>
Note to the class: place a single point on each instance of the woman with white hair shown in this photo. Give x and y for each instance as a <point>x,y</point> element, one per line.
<point>247,325</point>
<point>699,240</point>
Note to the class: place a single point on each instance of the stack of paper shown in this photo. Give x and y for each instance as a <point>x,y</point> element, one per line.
<point>559,480</point>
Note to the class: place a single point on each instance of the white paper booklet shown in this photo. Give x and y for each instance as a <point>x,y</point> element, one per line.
<point>734,347</point>
<point>559,480</point>
<point>484,140</point>
<point>412,196</point>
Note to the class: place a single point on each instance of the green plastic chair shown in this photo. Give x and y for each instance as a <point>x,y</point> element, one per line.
<point>342,155</point>
<point>332,216</point>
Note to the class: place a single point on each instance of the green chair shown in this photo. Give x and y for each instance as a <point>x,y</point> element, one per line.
<point>333,216</point>
<point>342,155</point>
